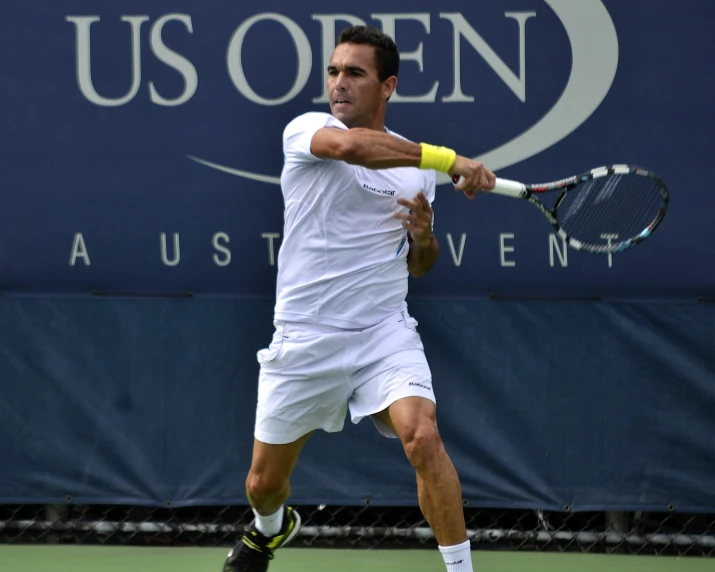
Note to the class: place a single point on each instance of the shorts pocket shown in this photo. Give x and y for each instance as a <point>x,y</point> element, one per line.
<point>272,352</point>
<point>409,321</point>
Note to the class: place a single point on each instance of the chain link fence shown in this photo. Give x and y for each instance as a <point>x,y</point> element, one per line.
<point>365,526</point>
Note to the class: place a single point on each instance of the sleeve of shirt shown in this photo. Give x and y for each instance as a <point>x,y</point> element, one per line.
<point>298,136</point>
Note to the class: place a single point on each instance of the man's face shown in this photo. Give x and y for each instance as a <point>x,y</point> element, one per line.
<point>356,93</point>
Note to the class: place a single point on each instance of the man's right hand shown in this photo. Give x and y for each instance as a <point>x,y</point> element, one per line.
<point>476,176</point>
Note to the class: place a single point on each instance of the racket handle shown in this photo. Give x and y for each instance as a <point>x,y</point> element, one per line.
<point>501,187</point>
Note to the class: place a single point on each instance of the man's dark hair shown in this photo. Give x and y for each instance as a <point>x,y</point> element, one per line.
<point>386,55</point>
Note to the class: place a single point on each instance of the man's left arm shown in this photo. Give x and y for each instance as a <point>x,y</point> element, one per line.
<point>424,248</point>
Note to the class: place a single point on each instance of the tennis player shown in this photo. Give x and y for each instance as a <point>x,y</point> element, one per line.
<point>358,221</point>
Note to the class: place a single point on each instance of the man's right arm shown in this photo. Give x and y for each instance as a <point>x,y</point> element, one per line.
<point>365,147</point>
<point>378,150</point>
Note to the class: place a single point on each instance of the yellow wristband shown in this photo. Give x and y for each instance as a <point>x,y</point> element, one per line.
<point>437,158</point>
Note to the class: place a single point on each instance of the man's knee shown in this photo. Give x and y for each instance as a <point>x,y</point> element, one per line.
<point>422,443</point>
<point>264,484</point>
<point>271,468</point>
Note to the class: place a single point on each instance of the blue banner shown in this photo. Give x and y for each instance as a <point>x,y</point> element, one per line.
<point>593,405</point>
<point>143,147</point>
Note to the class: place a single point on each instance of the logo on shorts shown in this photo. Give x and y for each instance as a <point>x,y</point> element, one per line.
<point>415,384</point>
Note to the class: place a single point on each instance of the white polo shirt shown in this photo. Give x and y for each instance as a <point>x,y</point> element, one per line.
<point>343,258</point>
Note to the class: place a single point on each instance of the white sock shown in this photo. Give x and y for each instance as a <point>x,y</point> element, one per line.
<point>457,558</point>
<point>269,525</point>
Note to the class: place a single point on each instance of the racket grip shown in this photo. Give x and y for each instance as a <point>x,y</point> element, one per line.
<point>501,187</point>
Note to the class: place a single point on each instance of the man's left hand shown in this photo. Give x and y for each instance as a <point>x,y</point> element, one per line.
<point>418,221</point>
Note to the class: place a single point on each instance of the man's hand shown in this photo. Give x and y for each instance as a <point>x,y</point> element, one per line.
<point>419,220</point>
<point>477,176</point>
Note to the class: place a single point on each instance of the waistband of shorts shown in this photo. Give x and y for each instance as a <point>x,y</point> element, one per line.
<point>400,315</point>
<point>312,327</point>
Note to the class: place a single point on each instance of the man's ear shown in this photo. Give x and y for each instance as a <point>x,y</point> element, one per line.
<point>389,86</point>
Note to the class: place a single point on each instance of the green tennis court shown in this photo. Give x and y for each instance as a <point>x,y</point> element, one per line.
<point>130,559</point>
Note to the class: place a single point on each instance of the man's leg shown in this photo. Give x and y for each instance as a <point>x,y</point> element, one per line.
<point>267,488</point>
<point>287,412</point>
<point>414,421</point>
<point>268,481</point>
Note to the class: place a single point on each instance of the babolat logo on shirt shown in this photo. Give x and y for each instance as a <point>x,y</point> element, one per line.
<point>415,384</point>
<point>378,191</point>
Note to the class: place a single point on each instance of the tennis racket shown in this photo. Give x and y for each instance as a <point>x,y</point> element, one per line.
<point>609,209</point>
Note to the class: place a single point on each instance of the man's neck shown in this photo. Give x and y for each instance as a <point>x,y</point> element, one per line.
<point>380,127</point>
<point>378,124</point>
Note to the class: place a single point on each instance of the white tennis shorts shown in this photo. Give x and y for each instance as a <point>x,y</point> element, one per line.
<point>310,375</point>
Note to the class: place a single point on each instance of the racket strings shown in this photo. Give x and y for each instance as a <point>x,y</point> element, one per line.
<point>611,209</point>
<point>627,213</point>
<point>612,214</point>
